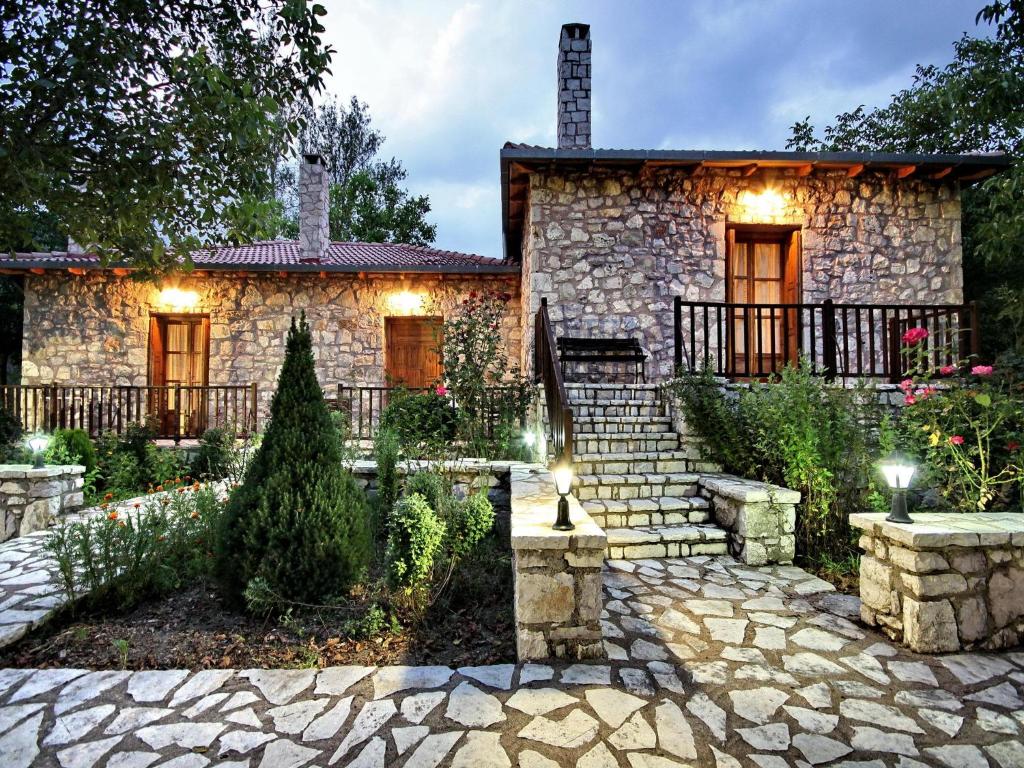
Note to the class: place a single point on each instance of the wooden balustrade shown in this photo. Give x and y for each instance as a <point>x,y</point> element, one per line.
<point>548,370</point>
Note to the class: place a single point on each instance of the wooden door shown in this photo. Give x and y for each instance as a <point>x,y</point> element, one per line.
<point>179,366</point>
<point>763,278</point>
<point>411,356</point>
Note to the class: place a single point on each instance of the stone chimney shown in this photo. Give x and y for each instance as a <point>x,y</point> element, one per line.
<point>574,87</point>
<point>314,231</point>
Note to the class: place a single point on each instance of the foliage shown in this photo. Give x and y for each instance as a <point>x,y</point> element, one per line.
<point>10,436</point>
<point>424,422</point>
<point>214,457</point>
<point>799,432</point>
<point>12,299</point>
<point>121,557</point>
<point>970,105</point>
<point>298,520</point>
<point>129,464</point>
<point>471,520</point>
<point>966,422</point>
<point>143,126</point>
<point>478,376</point>
<point>435,489</point>
<point>415,535</point>
<point>72,446</point>
<point>367,201</point>
<point>385,451</point>
<point>348,446</point>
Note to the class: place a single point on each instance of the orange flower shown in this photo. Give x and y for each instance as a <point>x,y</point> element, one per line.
<point>136,505</point>
<point>181,490</point>
<point>194,515</point>
<point>108,497</point>
<point>160,487</point>
<point>112,515</point>
<point>195,486</point>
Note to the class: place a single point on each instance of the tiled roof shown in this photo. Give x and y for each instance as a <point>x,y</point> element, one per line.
<point>287,255</point>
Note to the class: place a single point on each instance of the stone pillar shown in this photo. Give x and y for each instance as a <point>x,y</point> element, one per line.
<point>557,573</point>
<point>30,498</point>
<point>574,87</point>
<point>314,228</point>
<point>760,517</point>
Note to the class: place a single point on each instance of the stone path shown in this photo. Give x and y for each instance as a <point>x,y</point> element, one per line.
<point>712,663</point>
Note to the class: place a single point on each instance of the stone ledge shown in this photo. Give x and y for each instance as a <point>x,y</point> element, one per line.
<point>27,471</point>
<point>741,489</point>
<point>936,530</point>
<point>534,506</point>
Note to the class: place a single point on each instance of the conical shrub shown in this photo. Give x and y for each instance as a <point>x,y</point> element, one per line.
<point>298,522</point>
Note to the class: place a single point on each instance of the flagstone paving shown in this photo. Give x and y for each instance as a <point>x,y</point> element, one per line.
<point>711,663</point>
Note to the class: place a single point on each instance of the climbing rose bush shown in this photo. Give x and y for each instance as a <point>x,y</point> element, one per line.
<point>965,424</point>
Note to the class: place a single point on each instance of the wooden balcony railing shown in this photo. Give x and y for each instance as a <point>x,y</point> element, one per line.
<point>548,370</point>
<point>176,412</point>
<point>837,340</point>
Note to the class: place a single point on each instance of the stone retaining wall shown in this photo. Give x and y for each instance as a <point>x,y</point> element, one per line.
<point>760,517</point>
<point>946,582</point>
<point>31,498</point>
<point>557,573</point>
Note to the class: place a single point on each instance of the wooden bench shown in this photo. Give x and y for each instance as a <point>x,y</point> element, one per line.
<point>572,349</point>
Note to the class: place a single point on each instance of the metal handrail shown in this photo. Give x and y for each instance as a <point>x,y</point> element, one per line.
<point>549,372</point>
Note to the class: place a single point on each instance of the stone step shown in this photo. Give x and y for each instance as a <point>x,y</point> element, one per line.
<point>651,442</point>
<point>634,409</point>
<point>632,463</point>
<point>666,541</point>
<point>620,393</point>
<point>630,486</point>
<point>622,425</point>
<point>655,510</point>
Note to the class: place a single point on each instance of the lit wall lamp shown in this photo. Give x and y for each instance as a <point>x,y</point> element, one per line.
<point>563,484</point>
<point>766,204</point>
<point>37,444</point>
<point>898,472</point>
<point>406,302</point>
<point>178,299</point>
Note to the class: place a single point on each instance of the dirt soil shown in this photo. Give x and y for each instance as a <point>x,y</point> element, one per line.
<point>194,629</point>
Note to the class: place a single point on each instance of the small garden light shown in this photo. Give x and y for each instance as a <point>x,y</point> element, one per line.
<point>898,472</point>
<point>563,484</point>
<point>37,444</point>
<point>529,439</point>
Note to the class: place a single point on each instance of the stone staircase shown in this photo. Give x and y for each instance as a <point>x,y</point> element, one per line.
<point>634,476</point>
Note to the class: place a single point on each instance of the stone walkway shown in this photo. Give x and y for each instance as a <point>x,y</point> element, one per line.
<point>711,663</point>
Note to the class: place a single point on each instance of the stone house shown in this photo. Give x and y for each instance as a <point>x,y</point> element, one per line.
<point>749,258</point>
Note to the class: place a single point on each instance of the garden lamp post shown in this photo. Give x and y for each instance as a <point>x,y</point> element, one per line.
<point>37,444</point>
<point>563,483</point>
<point>898,472</point>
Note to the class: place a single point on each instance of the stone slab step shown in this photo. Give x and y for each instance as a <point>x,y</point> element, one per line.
<point>633,409</point>
<point>622,425</point>
<point>655,510</point>
<point>589,442</point>
<point>634,463</point>
<point>634,486</point>
<point>666,541</point>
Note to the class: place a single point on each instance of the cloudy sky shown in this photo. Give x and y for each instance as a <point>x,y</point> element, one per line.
<point>449,82</point>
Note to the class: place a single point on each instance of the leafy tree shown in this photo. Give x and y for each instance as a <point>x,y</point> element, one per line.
<point>143,125</point>
<point>367,200</point>
<point>972,104</point>
<point>298,522</point>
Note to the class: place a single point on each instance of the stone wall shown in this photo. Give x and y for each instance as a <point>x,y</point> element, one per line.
<point>94,329</point>
<point>610,249</point>
<point>31,498</point>
<point>946,582</point>
<point>760,517</point>
<point>557,573</point>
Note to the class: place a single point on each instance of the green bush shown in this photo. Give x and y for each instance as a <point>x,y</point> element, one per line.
<point>424,423</point>
<point>800,432</point>
<point>415,535</point>
<point>471,521</point>
<point>298,520</point>
<point>121,558</point>
<point>11,448</point>
<point>215,454</point>
<point>72,446</point>
<point>385,451</point>
<point>436,489</point>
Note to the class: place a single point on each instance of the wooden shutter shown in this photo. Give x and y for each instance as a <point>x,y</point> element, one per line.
<point>157,358</point>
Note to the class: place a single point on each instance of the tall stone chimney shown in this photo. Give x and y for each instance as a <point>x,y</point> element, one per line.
<point>314,230</point>
<point>574,87</point>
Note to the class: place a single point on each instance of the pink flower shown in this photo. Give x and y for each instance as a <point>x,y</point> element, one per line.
<point>909,400</point>
<point>1013,445</point>
<point>906,385</point>
<point>982,370</point>
<point>921,394</point>
<point>914,335</point>
<point>947,370</point>
<point>956,440</point>
<point>440,391</point>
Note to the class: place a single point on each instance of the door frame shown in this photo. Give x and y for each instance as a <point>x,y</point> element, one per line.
<point>160,404</point>
<point>789,236</point>
<point>437,320</point>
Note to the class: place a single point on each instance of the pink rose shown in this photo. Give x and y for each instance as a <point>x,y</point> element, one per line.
<point>982,370</point>
<point>441,391</point>
<point>906,385</point>
<point>909,400</point>
<point>956,440</point>
<point>914,335</point>
<point>947,370</point>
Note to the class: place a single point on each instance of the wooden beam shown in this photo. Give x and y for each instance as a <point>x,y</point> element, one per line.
<point>748,170</point>
<point>78,271</point>
<point>282,274</point>
<point>942,173</point>
<point>855,170</point>
<point>699,169</point>
<point>121,272</point>
<point>323,275</point>
<point>905,171</point>
<point>804,170</point>
<point>37,271</point>
<point>982,174</point>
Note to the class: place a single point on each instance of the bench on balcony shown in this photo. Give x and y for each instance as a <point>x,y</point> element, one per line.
<point>573,349</point>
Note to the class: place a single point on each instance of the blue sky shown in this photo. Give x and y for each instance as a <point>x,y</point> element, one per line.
<point>449,82</point>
